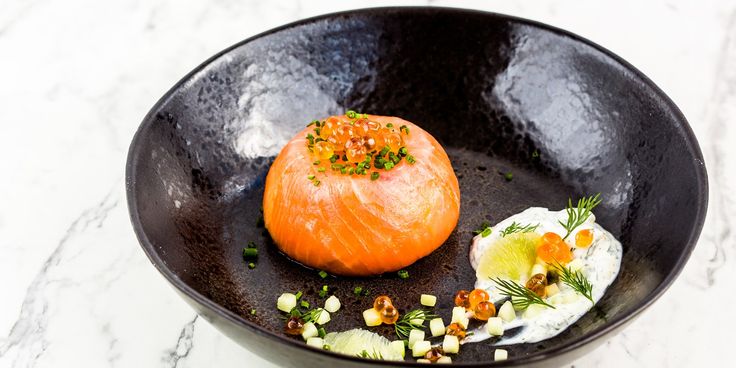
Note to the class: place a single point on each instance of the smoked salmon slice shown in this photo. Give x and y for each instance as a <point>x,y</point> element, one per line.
<point>329,214</point>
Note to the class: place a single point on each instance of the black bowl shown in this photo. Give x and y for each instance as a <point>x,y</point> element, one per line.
<point>502,94</point>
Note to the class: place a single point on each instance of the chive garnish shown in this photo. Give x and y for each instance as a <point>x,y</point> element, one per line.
<point>375,175</point>
<point>508,176</point>
<point>404,129</point>
<point>322,274</point>
<point>312,123</point>
<point>304,304</point>
<point>299,295</point>
<point>321,332</point>
<point>251,265</point>
<point>316,183</point>
<point>249,253</point>
<point>317,131</point>
<point>388,165</point>
<point>410,159</point>
<point>358,290</point>
<point>323,292</point>
<point>344,170</point>
<point>384,151</point>
<point>403,151</point>
<point>310,177</point>
<point>315,162</point>
<point>403,274</point>
<point>389,125</point>
<point>351,114</point>
<point>321,169</point>
<point>334,158</point>
<point>253,312</point>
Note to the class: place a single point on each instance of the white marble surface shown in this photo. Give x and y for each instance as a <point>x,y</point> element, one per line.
<point>77,76</point>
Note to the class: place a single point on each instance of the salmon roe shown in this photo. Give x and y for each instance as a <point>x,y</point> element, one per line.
<point>324,150</point>
<point>484,310</point>
<point>389,315</point>
<point>461,299</point>
<point>382,302</point>
<point>553,249</point>
<point>584,238</point>
<point>294,326</point>
<point>455,329</point>
<point>476,296</point>
<point>537,284</point>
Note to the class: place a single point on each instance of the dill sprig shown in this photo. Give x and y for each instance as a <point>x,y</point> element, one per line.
<point>376,355</point>
<point>405,324</point>
<point>576,216</point>
<point>521,296</point>
<point>575,280</point>
<point>308,316</point>
<point>485,229</point>
<point>518,228</point>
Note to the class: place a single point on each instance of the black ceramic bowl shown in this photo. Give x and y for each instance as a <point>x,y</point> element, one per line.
<point>501,94</point>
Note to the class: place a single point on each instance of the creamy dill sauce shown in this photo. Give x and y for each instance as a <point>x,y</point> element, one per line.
<point>601,262</point>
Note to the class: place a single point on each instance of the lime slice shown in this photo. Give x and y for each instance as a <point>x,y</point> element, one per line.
<point>510,257</point>
<point>358,342</point>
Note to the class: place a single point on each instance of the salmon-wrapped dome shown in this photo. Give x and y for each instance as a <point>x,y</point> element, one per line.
<point>360,195</point>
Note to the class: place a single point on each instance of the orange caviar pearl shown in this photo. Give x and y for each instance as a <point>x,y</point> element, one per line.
<point>553,249</point>
<point>328,128</point>
<point>389,315</point>
<point>461,299</point>
<point>341,134</point>
<point>369,143</point>
<point>476,296</point>
<point>324,150</point>
<point>455,330</point>
<point>355,150</point>
<point>294,326</point>
<point>584,238</point>
<point>537,284</point>
<point>484,310</point>
<point>381,302</point>
<point>392,140</point>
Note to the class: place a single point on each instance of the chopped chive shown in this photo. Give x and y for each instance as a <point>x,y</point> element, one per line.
<point>316,183</point>
<point>350,114</point>
<point>321,332</point>
<point>323,292</point>
<point>250,253</point>
<point>326,347</point>
<point>384,151</point>
<point>337,166</point>
<point>304,304</point>
<point>334,158</point>
<point>251,265</point>
<point>344,158</point>
<point>375,175</point>
<point>485,232</point>
<point>253,312</point>
<point>310,177</point>
<point>378,164</point>
<point>403,274</point>
<point>317,131</point>
<point>310,138</point>
<point>344,170</point>
<point>365,292</point>
<point>312,123</point>
<point>404,129</point>
<point>315,162</point>
<point>319,139</point>
<point>410,159</point>
<point>508,176</point>
<point>351,171</point>
<point>358,290</point>
<point>322,274</point>
<point>388,165</point>
<point>389,125</point>
<point>321,169</point>
<point>403,151</point>
<point>535,154</point>
<point>299,295</point>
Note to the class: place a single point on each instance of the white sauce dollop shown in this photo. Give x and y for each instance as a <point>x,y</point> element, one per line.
<point>601,262</point>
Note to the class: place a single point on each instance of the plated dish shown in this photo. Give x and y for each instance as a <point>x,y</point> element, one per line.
<point>529,117</point>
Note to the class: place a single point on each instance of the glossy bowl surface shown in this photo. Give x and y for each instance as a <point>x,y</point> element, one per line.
<point>501,94</point>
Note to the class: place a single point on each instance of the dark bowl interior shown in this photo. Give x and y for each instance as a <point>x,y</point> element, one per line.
<point>501,94</point>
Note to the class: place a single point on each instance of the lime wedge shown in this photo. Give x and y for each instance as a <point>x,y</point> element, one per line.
<point>510,257</point>
<point>358,342</point>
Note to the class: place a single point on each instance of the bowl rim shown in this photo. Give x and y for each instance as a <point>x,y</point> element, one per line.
<point>134,155</point>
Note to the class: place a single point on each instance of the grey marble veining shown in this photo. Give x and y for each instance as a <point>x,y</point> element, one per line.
<point>78,76</point>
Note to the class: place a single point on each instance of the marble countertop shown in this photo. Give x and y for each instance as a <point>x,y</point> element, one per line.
<point>77,77</point>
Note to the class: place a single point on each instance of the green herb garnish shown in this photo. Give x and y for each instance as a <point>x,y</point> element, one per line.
<point>315,162</point>
<point>535,154</point>
<point>310,177</point>
<point>375,355</point>
<point>304,304</point>
<point>321,169</point>
<point>351,114</point>
<point>403,151</point>
<point>485,229</point>
<point>508,176</point>
<point>321,332</point>
<point>322,274</point>
<point>389,125</point>
<point>358,290</point>
<point>298,295</point>
<point>249,253</point>
<point>521,296</point>
<point>323,292</point>
<point>251,265</point>
<point>252,312</point>
<point>316,183</point>
<point>404,325</point>
<point>403,274</point>
<point>375,175</point>
<point>576,216</point>
<point>410,159</point>
<point>518,228</point>
<point>404,129</point>
<point>575,280</point>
